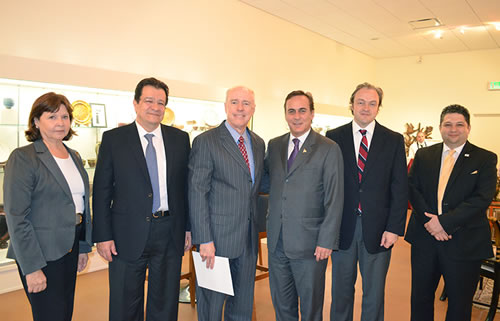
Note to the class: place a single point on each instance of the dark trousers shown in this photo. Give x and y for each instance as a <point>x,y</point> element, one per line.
<point>55,303</point>
<point>126,279</point>
<point>294,280</point>
<point>428,263</point>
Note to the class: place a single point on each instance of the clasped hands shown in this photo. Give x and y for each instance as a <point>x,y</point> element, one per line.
<point>434,227</point>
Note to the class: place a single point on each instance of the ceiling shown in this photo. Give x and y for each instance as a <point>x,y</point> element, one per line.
<point>381,28</point>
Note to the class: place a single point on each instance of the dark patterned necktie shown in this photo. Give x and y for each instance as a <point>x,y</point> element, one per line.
<point>362,157</point>
<point>243,150</point>
<point>294,153</point>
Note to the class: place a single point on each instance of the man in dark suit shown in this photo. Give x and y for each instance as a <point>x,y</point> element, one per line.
<point>375,203</point>
<point>451,186</point>
<point>140,208</point>
<point>225,169</point>
<point>305,209</point>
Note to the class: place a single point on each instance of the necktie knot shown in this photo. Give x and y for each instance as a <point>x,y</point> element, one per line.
<point>241,140</point>
<point>363,131</point>
<point>149,138</point>
<point>296,142</point>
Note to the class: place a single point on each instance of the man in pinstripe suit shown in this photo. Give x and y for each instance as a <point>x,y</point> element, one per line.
<point>225,169</point>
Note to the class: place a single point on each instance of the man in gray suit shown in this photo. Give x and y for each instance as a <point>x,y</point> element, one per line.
<point>305,209</point>
<point>225,168</point>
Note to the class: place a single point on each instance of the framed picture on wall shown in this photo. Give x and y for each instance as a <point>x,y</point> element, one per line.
<point>98,115</point>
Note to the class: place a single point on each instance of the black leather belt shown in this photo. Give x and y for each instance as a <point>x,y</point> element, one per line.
<point>159,214</point>
<point>79,218</point>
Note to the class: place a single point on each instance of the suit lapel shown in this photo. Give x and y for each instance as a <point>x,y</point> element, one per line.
<point>169,153</point>
<point>304,152</point>
<point>375,149</point>
<point>284,152</point>
<point>457,168</point>
<point>257,161</point>
<point>350,153</point>
<point>134,142</point>
<point>49,162</point>
<point>232,148</point>
<point>434,168</point>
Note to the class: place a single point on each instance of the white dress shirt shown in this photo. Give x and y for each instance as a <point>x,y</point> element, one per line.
<point>161,159</point>
<point>357,136</point>
<point>301,139</point>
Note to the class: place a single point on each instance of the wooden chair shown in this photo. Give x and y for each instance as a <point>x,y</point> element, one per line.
<point>191,277</point>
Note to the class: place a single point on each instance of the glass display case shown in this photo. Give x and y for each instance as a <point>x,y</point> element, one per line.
<point>95,111</point>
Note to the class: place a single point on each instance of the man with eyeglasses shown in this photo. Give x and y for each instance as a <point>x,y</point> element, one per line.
<point>375,203</point>
<point>140,209</point>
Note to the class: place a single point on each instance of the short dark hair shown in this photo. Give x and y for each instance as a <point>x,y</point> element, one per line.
<point>158,84</point>
<point>366,85</point>
<point>455,109</point>
<point>301,93</point>
<point>49,102</point>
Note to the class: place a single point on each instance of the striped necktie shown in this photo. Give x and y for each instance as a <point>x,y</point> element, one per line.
<point>362,157</point>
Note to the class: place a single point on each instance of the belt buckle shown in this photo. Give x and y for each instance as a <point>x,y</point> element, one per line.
<point>155,215</point>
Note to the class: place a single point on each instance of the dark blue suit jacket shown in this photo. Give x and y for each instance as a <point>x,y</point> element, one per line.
<point>383,191</point>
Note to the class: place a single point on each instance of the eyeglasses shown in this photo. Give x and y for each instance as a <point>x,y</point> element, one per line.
<point>150,101</point>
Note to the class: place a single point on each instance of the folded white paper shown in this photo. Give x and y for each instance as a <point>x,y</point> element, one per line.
<point>217,279</point>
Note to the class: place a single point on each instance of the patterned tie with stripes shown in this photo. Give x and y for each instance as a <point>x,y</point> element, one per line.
<point>362,157</point>
<point>243,150</point>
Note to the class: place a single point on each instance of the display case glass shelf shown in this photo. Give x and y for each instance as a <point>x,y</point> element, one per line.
<point>108,109</point>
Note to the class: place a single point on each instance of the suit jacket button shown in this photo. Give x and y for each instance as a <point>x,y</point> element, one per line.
<point>150,195</point>
<point>148,219</point>
<point>361,190</point>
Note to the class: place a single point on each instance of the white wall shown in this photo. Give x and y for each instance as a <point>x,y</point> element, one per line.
<point>200,48</point>
<point>417,92</point>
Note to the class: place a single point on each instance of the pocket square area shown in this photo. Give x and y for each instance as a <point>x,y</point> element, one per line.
<point>474,172</point>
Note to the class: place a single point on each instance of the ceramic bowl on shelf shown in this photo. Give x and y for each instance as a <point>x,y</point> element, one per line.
<point>92,162</point>
<point>8,102</point>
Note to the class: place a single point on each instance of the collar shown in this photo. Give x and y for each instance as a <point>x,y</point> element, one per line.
<point>235,134</point>
<point>301,138</point>
<point>458,150</point>
<point>370,128</point>
<point>142,131</point>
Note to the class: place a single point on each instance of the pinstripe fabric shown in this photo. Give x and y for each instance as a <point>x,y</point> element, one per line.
<point>222,207</point>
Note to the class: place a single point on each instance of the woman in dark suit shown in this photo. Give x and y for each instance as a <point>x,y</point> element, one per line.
<point>46,196</point>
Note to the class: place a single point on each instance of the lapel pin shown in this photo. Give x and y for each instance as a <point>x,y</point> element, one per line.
<point>466,155</point>
<point>304,151</point>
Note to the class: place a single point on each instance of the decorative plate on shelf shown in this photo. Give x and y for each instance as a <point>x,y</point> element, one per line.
<point>82,113</point>
<point>168,117</point>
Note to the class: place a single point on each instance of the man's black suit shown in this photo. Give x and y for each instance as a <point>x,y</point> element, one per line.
<point>383,195</point>
<point>469,192</point>
<point>122,203</point>
<point>382,191</point>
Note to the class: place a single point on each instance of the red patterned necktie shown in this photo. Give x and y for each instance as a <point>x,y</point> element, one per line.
<point>243,150</point>
<point>362,157</point>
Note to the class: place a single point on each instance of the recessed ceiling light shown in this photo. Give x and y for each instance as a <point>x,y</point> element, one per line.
<point>462,30</point>
<point>438,34</point>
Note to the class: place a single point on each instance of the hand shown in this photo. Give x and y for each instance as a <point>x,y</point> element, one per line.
<point>107,249</point>
<point>83,258</point>
<point>36,281</point>
<point>434,227</point>
<point>322,253</point>
<point>207,253</point>
<point>388,239</point>
<point>187,242</point>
